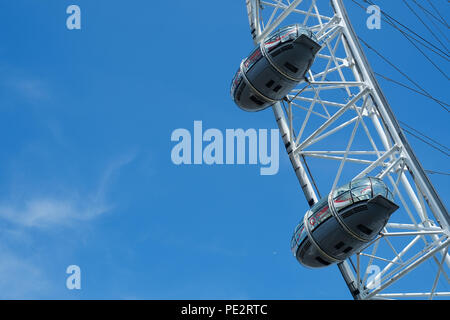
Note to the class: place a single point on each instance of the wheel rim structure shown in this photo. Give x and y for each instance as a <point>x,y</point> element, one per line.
<point>340,124</point>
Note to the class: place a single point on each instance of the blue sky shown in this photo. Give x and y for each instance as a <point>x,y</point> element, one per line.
<point>86,176</point>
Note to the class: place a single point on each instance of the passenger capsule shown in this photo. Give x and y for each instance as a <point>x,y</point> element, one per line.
<point>341,224</point>
<point>274,68</point>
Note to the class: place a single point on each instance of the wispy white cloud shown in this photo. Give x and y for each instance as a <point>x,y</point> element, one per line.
<point>31,88</point>
<point>47,212</point>
<point>24,273</point>
<point>111,171</point>
<point>53,211</point>
<point>21,278</point>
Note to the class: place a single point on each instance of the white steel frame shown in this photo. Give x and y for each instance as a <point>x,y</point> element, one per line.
<point>343,96</point>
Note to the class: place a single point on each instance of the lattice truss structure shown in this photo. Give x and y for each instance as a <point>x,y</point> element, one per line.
<point>338,127</point>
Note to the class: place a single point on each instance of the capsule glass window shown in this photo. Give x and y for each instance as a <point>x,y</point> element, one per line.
<point>322,214</point>
<point>236,80</point>
<point>362,193</point>
<point>272,41</point>
<point>254,57</point>
<point>300,235</point>
<point>390,196</point>
<point>318,206</point>
<point>379,188</point>
<point>341,190</point>
<point>343,200</point>
<point>294,244</point>
<point>288,33</point>
<point>360,182</point>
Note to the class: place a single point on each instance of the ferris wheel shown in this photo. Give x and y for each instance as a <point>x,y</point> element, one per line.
<point>343,139</point>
